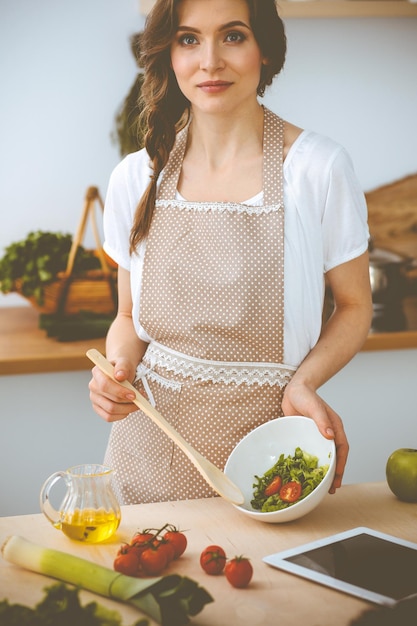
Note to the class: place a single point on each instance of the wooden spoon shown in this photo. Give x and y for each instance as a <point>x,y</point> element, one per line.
<point>215,477</point>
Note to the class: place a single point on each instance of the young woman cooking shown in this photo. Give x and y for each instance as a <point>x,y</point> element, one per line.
<point>224,228</point>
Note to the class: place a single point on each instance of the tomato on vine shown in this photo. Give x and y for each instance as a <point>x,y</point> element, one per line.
<point>153,561</point>
<point>150,551</point>
<point>143,536</point>
<point>126,561</point>
<point>177,539</point>
<point>167,548</point>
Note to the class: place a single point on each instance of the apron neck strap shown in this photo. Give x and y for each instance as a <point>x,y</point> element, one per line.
<point>273,156</point>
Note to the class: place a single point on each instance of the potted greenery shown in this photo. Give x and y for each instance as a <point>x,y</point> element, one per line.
<point>36,261</point>
<point>74,289</point>
<point>128,133</point>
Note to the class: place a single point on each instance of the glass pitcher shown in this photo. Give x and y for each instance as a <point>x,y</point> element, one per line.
<point>89,510</point>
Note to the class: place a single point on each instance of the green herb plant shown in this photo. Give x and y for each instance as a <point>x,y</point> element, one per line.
<point>37,260</point>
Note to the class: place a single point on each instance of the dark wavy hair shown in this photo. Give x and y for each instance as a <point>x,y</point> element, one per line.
<point>164,108</point>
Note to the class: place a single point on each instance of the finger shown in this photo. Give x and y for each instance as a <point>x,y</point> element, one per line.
<point>123,370</point>
<point>332,427</point>
<point>342,451</point>
<point>111,411</point>
<point>102,384</point>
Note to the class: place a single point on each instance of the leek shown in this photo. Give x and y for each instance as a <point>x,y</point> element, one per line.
<point>169,600</point>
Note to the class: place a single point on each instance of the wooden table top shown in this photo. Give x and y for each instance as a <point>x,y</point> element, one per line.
<point>273,596</point>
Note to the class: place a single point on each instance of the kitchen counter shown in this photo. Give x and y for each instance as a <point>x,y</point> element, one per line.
<point>25,348</point>
<point>273,596</point>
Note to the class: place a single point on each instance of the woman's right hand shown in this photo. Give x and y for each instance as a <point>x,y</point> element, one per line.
<point>112,401</point>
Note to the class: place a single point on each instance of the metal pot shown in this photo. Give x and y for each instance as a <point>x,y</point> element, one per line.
<point>388,275</point>
<point>389,285</point>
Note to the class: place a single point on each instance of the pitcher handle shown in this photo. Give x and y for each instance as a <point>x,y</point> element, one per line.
<point>47,509</point>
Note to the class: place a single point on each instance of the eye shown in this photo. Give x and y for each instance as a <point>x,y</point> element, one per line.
<point>235,36</point>
<point>187,40</point>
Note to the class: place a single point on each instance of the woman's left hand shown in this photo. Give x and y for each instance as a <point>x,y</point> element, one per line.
<point>301,400</point>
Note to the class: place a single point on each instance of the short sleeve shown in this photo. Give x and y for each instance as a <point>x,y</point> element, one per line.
<point>127,183</point>
<point>345,220</point>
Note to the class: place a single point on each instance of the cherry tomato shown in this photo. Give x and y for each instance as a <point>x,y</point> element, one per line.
<point>290,492</point>
<point>167,548</point>
<point>144,536</point>
<point>126,562</point>
<point>273,487</point>
<point>138,548</point>
<point>213,560</point>
<point>239,571</point>
<point>178,540</point>
<point>153,561</point>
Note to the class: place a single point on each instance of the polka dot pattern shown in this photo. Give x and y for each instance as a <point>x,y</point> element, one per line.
<point>212,288</point>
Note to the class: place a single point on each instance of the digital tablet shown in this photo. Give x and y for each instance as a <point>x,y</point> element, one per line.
<point>374,566</point>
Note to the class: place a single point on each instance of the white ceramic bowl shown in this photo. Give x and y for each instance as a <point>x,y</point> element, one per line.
<point>260,450</point>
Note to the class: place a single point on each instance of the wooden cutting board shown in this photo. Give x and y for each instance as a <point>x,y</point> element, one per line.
<point>392,214</point>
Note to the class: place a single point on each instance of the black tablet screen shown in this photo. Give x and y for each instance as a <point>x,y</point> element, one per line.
<point>365,561</point>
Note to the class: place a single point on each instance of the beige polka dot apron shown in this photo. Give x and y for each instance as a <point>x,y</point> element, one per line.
<point>212,299</point>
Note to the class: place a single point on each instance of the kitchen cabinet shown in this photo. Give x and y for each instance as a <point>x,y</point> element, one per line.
<point>333,8</point>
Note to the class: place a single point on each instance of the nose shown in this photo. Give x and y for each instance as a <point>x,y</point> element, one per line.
<point>211,58</point>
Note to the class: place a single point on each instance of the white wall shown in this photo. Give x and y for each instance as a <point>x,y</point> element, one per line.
<point>47,424</point>
<point>64,69</point>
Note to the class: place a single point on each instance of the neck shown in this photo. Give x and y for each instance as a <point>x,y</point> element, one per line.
<point>219,139</point>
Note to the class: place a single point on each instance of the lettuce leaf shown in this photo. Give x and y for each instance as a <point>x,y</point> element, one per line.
<point>302,467</point>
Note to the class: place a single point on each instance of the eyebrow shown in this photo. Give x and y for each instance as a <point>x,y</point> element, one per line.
<point>233,24</point>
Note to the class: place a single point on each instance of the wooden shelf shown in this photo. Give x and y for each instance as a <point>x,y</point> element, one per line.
<point>333,8</point>
<point>347,8</point>
<point>25,348</point>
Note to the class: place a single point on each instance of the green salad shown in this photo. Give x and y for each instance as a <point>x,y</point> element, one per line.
<point>291,479</point>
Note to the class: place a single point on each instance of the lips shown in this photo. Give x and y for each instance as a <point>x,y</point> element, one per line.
<point>213,83</point>
<point>213,86</point>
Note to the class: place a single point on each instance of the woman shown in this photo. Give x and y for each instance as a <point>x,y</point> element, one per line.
<point>220,297</point>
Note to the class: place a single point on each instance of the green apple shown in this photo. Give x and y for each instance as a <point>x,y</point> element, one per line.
<point>401,472</point>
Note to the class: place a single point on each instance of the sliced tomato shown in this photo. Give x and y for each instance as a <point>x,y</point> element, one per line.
<point>290,492</point>
<point>273,487</point>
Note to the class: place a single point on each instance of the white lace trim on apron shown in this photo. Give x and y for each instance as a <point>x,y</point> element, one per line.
<point>144,373</point>
<point>220,207</point>
<point>216,371</point>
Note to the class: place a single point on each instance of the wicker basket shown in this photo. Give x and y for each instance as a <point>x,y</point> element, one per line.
<point>94,290</point>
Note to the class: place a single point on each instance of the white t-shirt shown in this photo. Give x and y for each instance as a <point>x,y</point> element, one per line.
<point>325,226</point>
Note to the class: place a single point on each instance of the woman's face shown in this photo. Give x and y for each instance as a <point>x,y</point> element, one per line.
<point>215,56</point>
